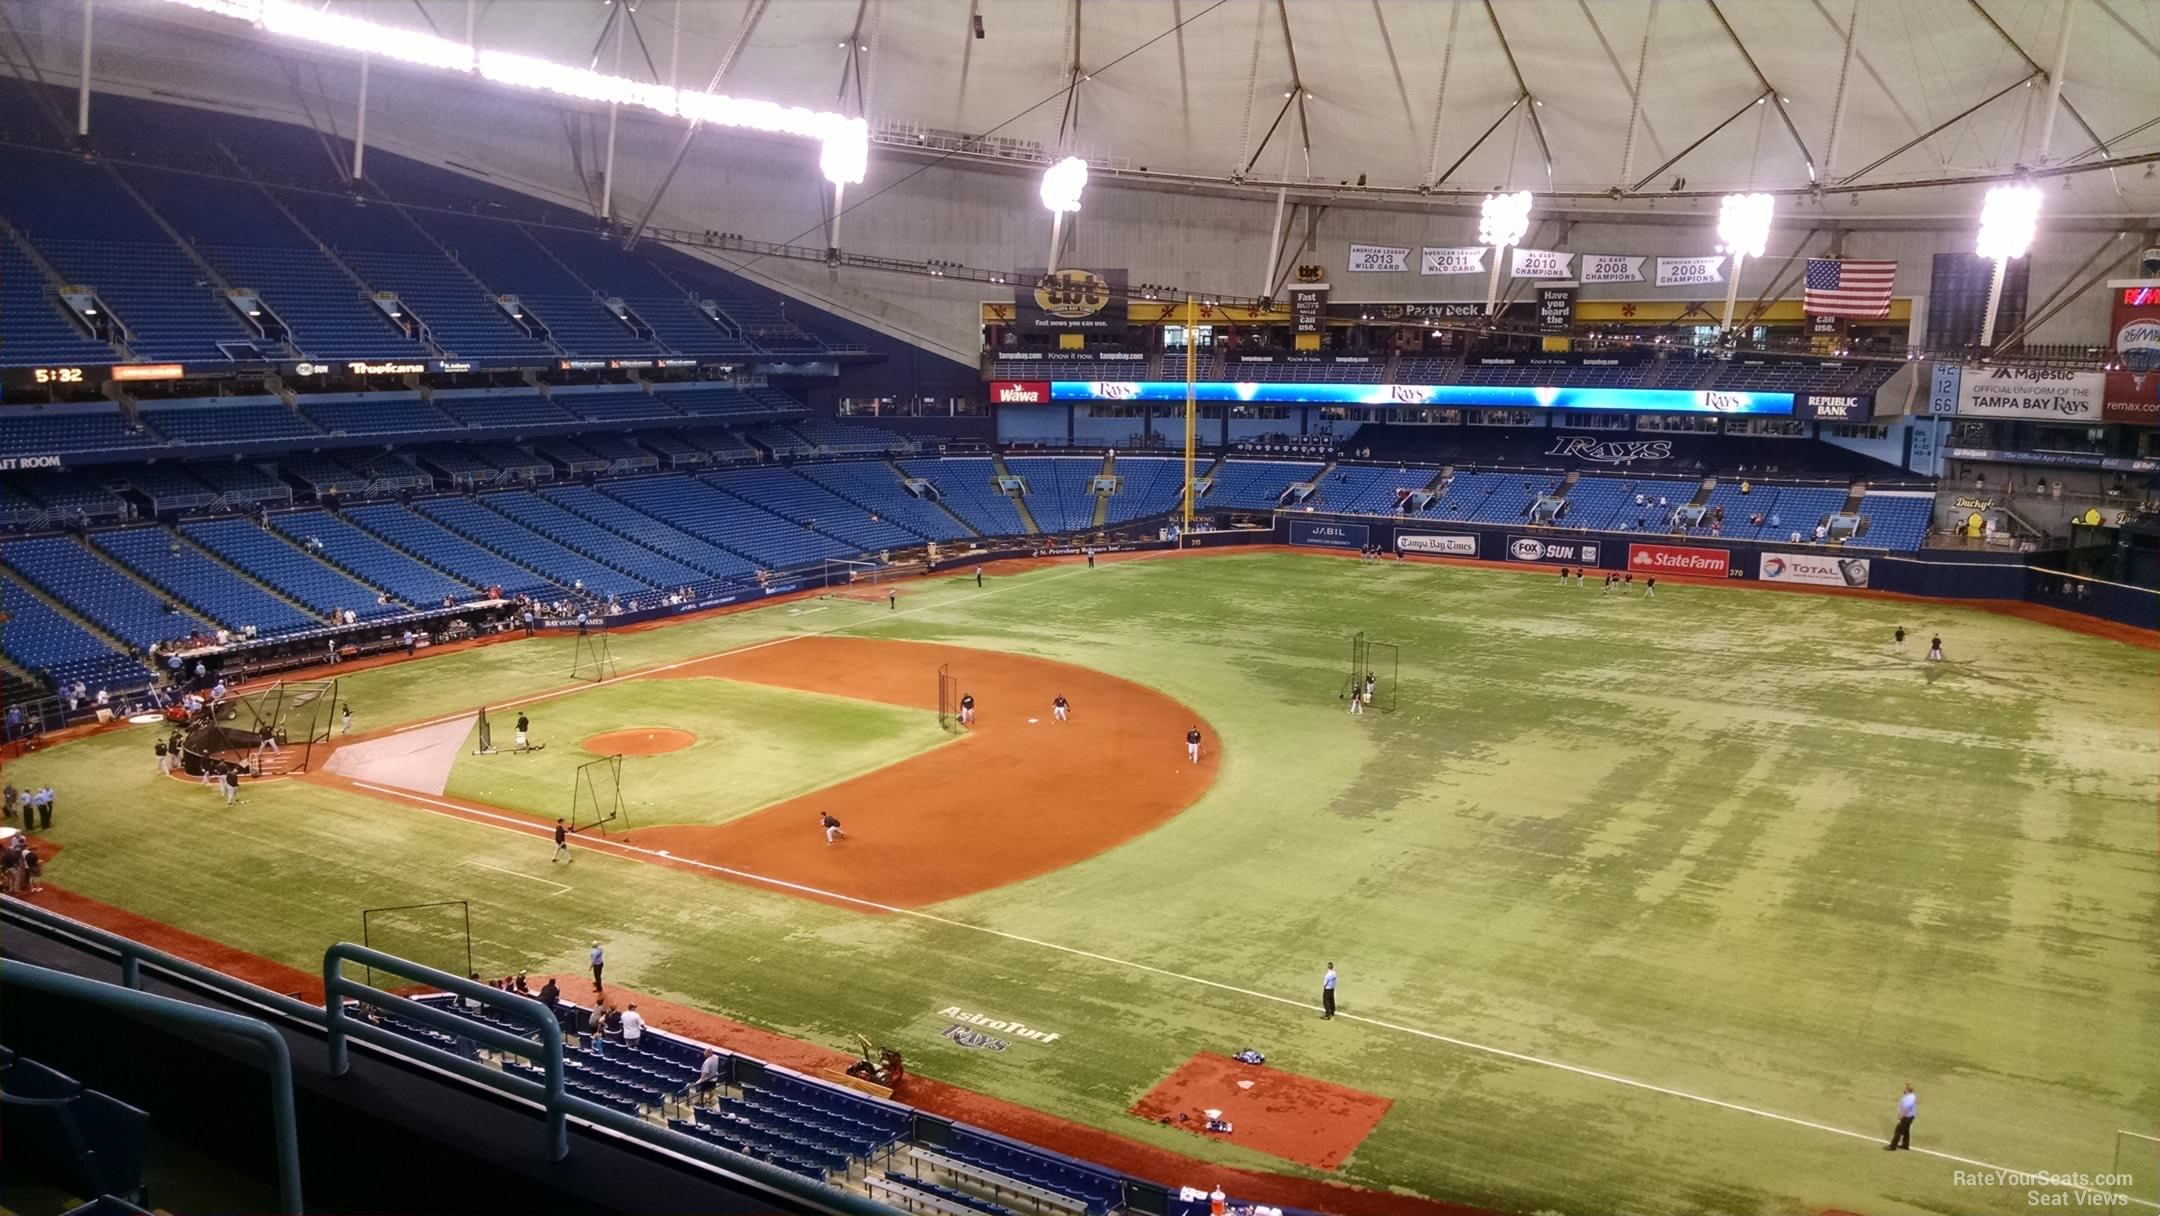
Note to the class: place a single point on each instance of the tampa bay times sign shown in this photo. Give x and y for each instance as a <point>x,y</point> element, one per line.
<point>1070,301</point>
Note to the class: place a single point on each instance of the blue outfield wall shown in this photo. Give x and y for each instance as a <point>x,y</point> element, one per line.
<point>1944,574</point>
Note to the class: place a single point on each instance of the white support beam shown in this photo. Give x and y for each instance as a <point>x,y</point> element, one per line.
<point>2055,79</point>
<point>359,143</point>
<point>82,88</point>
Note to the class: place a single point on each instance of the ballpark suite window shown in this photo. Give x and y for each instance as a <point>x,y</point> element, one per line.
<point>1600,422</point>
<point>1858,430</point>
<point>1698,424</point>
<point>1504,418</point>
<point>1259,411</point>
<point>867,407</point>
<point>1116,409</point>
<point>1767,428</point>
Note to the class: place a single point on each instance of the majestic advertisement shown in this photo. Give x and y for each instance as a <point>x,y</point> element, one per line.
<point>1330,536</point>
<point>1308,309</point>
<point>1436,544</point>
<point>1379,259</point>
<point>2037,393</point>
<point>1020,392</point>
<point>1829,408</point>
<point>2133,394</point>
<point>1467,396</point>
<point>1815,569</point>
<point>1070,301</point>
<point>1552,552</point>
<point>1679,559</point>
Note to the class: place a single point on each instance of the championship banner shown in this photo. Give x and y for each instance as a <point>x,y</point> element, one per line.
<point>1815,570</point>
<point>1610,268</point>
<point>2030,392</point>
<point>1308,309</point>
<point>1540,264</point>
<point>1679,559</point>
<point>1555,307</point>
<point>1384,259</point>
<point>2133,394</point>
<point>1469,259</point>
<point>1070,301</point>
<point>1689,272</point>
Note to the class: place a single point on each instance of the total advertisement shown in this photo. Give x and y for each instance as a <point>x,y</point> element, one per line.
<point>2133,394</point>
<point>1552,552</point>
<point>1329,536</point>
<point>1815,569</point>
<point>1436,544</point>
<point>2038,393</point>
<point>1679,559</point>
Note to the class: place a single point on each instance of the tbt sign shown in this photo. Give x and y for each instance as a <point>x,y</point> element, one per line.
<point>1438,544</point>
<point>1679,559</point>
<point>1070,301</point>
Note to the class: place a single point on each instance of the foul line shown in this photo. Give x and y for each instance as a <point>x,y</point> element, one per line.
<point>559,887</point>
<point>718,654</point>
<point>526,827</point>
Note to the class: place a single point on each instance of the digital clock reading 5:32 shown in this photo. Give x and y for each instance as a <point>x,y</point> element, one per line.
<point>57,375</point>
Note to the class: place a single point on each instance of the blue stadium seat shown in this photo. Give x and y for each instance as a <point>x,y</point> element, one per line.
<point>190,576</point>
<point>92,589</point>
<point>965,485</point>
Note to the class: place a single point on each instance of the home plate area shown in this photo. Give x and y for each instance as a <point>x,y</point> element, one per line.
<point>1299,1119</point>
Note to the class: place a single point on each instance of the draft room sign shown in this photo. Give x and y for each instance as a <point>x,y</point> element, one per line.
<point>1070,301</point>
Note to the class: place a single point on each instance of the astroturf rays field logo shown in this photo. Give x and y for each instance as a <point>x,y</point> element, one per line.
<point>981,1032</point>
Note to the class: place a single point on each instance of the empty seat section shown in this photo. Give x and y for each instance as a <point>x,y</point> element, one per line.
<point>364,556</point>
<point>624,521</point>
<point>503,409</point>
<point>98,593</point>
<point>39,430</point>
<point>605,407</point>
<point>1148,485</point>
<point>241,482</point>
<point>41,640</point>
<point>966,485</point>
<point>1257,484</point>
<point>171,488</point>
<point>1058,493</point>
<point>243,421</point>
<point>874,486</point>
<point>784,493</point>
<point>325,474</point>
<point>436,545</point>
<point>719,402</point>
<point>190,576</point>
<point>1896,521</point>
<point>294,574</point>
<point>511,263</point>
<point>678,322</point>
<point>691,505</point>
<point>850,438</point>
<point>377,414</point>
<point>40,331</point>
<point>502,534</point>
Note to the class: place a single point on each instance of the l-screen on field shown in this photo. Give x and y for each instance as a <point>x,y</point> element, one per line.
<point>1636,904</point>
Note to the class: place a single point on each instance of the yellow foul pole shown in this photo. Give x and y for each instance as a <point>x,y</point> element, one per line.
<point>1192,325</point>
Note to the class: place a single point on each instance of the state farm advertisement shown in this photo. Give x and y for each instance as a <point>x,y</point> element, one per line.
<point>1679,559</point>
<point>2133,393</point>
<point>1020,392</point>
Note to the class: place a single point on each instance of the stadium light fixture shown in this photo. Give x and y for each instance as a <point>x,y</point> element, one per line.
<point>2008,220</point>
<point>845,154</point>
<point>1062,184</point>
<point>1744,228</point>
<point>1503,221</point>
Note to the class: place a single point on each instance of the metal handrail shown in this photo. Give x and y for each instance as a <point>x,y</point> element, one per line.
<point>551,1094</point>
<point>178,1014</point>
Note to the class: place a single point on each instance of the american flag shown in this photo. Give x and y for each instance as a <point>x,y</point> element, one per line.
<point>1849,289</point>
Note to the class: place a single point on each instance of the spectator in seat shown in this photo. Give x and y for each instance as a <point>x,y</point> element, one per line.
<point>708,1073</point>
<point>550,995</point>
<point>633,1027</point>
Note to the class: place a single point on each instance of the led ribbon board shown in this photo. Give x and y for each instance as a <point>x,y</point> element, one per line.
<point>1468,396</point>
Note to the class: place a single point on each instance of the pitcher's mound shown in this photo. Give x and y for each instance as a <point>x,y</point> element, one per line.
<point>1282,1114</point>
<point>639,741</point>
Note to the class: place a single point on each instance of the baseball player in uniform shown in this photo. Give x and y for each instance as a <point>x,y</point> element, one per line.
<point>1192,744</point>
<point>1898,639</point>
<point>967,709</point>
<point>523,725</point>
<point>562,841</point>
<point>1059,708</point>
<point>831,826</point>
<point>1935,649</point>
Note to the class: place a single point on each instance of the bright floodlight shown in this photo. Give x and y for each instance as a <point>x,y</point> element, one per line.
<point>2007,221</point>
<point>1744,223</point>
<point>1505,220</point>
<point>844,156</point>
<point>1062,184</point>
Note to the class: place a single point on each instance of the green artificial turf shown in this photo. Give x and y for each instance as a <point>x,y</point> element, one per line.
<point>1721,843</point>
<point>755,746</point>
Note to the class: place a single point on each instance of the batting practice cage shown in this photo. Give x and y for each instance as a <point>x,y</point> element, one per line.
<point>485,744</point>
<point>591,660</point>
<point>596,796</point>
<point>276,729</point>
<point>437,934</point>
<point>948,697</point>
<point>1381,662</point>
